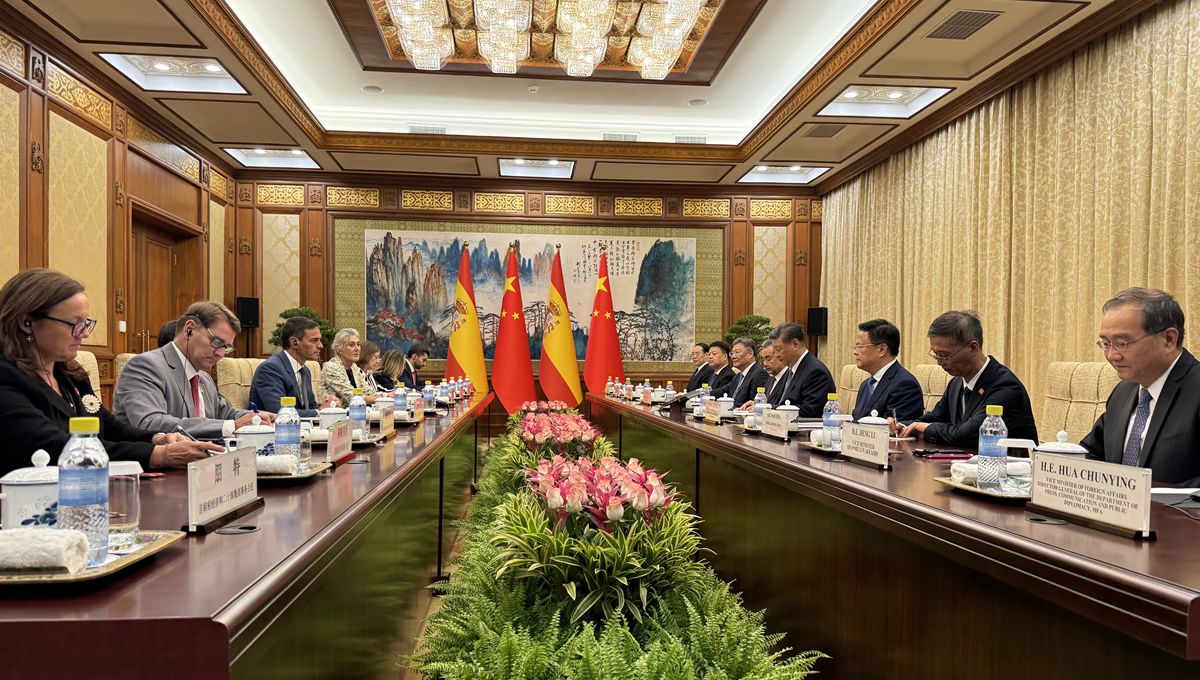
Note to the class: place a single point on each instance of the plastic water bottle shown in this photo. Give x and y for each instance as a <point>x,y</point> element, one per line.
<point>993,459</point>
<point>428,393</point>
<point>459,390</point>
<point>628,389</point>
<point>443,391</point>
<point>287,431</point>
<point>358,412</point>
<point>608,387</point>
<point>83,487</point>
<point>470,389</point>
<point>760,405</point>
<point>705,395</point>
<point>400,400</point>
<point>833,426</point>
<point>669,393</point>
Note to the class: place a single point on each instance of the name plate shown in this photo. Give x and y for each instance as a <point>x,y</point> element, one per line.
<point>646,397</point>
<point>417,405</point>
<point>1093,492</point>
<point>220,485</point>
<point>775,424</point>
<point>712,412</point>
<point>340,440</point>
<point>866,443</point>
<point>387,421</point>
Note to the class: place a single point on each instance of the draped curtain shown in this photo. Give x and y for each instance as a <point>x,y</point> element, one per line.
<point>1034,208</point>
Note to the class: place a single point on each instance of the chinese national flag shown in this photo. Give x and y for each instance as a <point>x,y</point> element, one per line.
<point>512,369</point>
<point>603,349</point>
<point>558,371</point>
<point>466,342</point>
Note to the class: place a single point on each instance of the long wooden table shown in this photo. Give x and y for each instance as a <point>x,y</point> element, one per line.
<point>331,585</point>
<point>896,576</point>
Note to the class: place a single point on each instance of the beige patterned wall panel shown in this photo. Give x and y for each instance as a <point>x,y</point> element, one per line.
<point>566,204</point>
<point>77,195</point>
<point>706,207</point>
<point>770,273</point>
<point>281,270</point>
<point>414,199</point>
<point>501,203</point>
<point>351,197</point>
<point>771,208</point>
<point>10,180</point>
<point>280,194</point>
<point>216,251</point>
<point>164,151</point>
<point>638,207</point>
<point>12,54</point>
<point>78,96</point>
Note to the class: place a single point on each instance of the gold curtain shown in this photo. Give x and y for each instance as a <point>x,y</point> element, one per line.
<point>1034,208</point>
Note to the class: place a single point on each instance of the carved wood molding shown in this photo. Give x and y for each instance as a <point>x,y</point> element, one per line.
<point>245,246</point>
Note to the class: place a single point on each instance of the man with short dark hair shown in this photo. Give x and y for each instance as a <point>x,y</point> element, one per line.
<point>956,343</point>
<point>1152,417</point>
<point>891,390</point>
<point>285,373</point>
<point>418,356</point>
<point>719,383</point>
<point>166,333</point>
<point>806,382</point>
<point>702,372</point>
<point>750,375</point>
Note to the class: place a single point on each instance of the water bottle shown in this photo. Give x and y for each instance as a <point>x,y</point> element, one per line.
<point>833,426</point>
<point>83,487</point>
<point>287,431</point>
<point>400,400</point>
<point>993,459</point>
<point>705,395</point>
<point>669,393</point>
<point>459,390</point>
<point>760,405</point>
<point>443,391</point>
<point>468,388</point>
<point>628,389</point>
<point>358,412</point>
<point>428,393</point>
<point>608,387</point>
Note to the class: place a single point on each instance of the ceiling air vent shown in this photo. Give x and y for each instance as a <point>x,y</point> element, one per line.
<point>963,24</point>
<point>620,136</point>
<point>426,130</point>
<point>691,139</point>
<point>824,130</point>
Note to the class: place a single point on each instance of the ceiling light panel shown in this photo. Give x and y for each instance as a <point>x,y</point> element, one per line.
<point>882,101</point>
<point>782,174</point>
<point>533,167</point>
<point>273,158</point>
<point>174,74</point>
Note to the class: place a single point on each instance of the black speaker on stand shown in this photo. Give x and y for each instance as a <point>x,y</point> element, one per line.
<point>247,310</point>
<point>817,326</point>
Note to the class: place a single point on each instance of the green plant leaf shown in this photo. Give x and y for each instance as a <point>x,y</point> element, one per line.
<point>570,587</point>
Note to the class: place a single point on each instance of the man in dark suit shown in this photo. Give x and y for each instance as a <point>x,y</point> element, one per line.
<point>891,390</point>
<point>721,380</point>
<point>285,375</point>
<point>1152,418</point>
<point>806,383</point>
<point>418,355</point>
<point>703,371</point>
<point>750,374</point>
<point>956,343</point>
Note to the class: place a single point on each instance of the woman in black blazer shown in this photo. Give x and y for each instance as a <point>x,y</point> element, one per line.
<point>43,320</point>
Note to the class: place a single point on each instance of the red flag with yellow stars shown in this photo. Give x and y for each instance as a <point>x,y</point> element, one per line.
<point>558,371</point>
<point>512,369</point>
<point>603,359</point>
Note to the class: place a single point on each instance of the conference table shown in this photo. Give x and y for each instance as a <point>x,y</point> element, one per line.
<point>333,583</point>
<point>896,576</point>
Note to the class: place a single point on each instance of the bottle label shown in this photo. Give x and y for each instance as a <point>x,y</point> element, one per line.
<point>82,486</point>
<point>989,445</point>
<point>287,434</point>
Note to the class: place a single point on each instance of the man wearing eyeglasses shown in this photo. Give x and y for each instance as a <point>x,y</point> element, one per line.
<point>956,343</point>
<point>171,387</point>
<point>1152,418</point>
<point>891,391</point>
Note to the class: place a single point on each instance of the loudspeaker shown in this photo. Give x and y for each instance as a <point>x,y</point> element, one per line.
<point>247,311</point>
<point>818,321</point>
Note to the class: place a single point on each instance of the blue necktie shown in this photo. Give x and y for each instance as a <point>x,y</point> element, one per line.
<point>1133,447</point>
<point>868,391</point>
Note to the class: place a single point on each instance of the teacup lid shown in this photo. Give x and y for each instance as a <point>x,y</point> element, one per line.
<point>255,429</point>
<point>332,410</point>
<point>40,473</point>
<point>726,398</point>
<point>787,406</point>
<point>1062,445</point>
<point>1013,443</point>
<point>872,420</point>
<point>385,399</point>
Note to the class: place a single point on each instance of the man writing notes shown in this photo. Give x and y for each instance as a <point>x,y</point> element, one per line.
<point>956,343</point>
<point>1152,418</point>
<point>891,390</point>
<point>285,375</point>
<point>170,387</point>
<point>703,371</point>
<point>750,376</point>
<point>805,382</point>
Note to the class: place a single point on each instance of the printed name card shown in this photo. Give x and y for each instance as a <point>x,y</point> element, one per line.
<point>866,443</point>
<point>340,436</point>
<point>646,396</point>
<point>219,485</point>
<point>387,421</point>
<point>775,424</point>
<point>1093,491</point>
<point>417,404</point>
<point>712,412</point>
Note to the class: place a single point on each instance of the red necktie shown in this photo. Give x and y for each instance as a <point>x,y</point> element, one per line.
<point>196,396</point>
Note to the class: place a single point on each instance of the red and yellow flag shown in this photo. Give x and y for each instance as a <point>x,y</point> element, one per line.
<point>558,371</point>
<point>466,343</point>
<point>512,369</point>
<point>603,358</point>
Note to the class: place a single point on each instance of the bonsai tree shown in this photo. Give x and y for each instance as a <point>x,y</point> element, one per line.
<point>751,326</point>
<point>327,330</point>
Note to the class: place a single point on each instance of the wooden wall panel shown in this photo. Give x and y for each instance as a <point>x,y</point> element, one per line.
<point>11,171</point>
<point>163,189</point>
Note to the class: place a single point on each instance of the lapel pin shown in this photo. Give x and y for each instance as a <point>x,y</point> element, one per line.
<point>980,390</point>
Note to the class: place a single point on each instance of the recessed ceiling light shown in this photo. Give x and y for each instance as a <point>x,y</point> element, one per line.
<point>372,89</point>
<point>850,94</point>
<point>698,102</point>
<point>260,151</point>
<point>212,68</point>
<point>895,94</point>
<point>552,161</point>
<point>297,152</point>
<point>519,161</point>
<point>795,168</point>
<point>161,66</point>
<point>761,168</point>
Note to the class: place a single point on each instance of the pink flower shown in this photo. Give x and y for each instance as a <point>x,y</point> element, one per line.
<point>615,510</point>
<point>657,497</point>
<point>554,499</point>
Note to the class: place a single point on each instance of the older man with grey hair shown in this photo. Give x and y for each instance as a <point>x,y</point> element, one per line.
<point>956,343</point>
<point>1152,418</point>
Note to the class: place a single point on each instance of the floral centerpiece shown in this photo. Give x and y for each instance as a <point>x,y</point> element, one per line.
<point>569,434</point>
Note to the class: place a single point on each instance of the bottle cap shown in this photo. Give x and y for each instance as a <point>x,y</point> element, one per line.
<point>670,383</point>
<point>428,382</point>
<point>995,410</point>
<point>85,425</point>
<point>357,391</point>
<point>704,385</point>
<point>762,390</point>
<point>831,396</point>
<point>287,401</point>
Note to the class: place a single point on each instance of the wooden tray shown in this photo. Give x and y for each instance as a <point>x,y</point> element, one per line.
<point>152,542</point>
<point>313,470</point>
<point>981,492</point>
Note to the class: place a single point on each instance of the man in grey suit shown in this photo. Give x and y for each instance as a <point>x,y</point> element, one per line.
<point>1152,418</point>
<point>171,387</point>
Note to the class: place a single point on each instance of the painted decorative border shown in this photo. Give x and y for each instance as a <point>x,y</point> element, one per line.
<point>279,194</point>
<point>771,208</point>
<point>817,209</point>
<point>513,204</point>
<point>12,54</point>
<point>413,199</point>
<point>638,207</point>
<point>163,150</point>
<point>706,207</point>
<point>351,197</point>
<point>218,184</point>
<point>72,92</point>
<point>570,204</point>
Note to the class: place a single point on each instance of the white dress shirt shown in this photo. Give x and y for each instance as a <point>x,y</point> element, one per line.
<point>227,426</point>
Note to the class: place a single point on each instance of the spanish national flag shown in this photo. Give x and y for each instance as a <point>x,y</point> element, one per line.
<point>558,371</point>
<point>466,343</point>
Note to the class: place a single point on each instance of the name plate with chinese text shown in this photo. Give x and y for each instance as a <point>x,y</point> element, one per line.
<point>221,485</point>
<point>1110,495</point>
<point>340,440</point>
<point>387,421</point>
<point>712,412</point>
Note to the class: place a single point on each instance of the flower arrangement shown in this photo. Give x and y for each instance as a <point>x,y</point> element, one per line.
<point>607,493</point>
<point>544,407</point>
<point>563,433</point>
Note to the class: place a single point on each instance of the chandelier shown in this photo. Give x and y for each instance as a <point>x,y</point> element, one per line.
<point>582,32</point>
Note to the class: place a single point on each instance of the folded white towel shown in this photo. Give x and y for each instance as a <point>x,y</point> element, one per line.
<point>43,548</point>
<point>968,472</point>
<point>276,465</point>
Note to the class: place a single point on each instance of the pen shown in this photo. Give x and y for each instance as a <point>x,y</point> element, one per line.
<point>179,429</point>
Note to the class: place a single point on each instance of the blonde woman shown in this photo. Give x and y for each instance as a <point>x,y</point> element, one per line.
<point>390,368</point>
<point>341,374</point>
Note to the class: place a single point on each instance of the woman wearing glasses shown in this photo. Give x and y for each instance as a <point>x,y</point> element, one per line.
<point>43,320</point>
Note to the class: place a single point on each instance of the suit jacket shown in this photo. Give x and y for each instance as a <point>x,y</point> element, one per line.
<point>808,390</point>
<point>997,385</point>
<point>897,392</point>
<point>699,377</point>
<point>336,380</point>
<point>721,381</point>
<point>273,379</point>
<point>153,393</point>
<point>384,381</point>
<point>755,377</point>
<point>408,377</point>
<point>35,417</point>
<point>1170,444</point>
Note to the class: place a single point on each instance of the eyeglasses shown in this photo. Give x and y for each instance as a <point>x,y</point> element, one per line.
<point>943,358</point>
<point>1119,344</point>
<point>78,328</point>
<point>856,347</point>
<point>217,343</point>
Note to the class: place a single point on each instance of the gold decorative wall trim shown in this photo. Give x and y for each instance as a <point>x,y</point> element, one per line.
<point>706,207</point>
<point>570,204</point>
<point>351,197</point>
<point>412,199</point>
<point>816,209</point>
<point>638,207</point>
<point>72,92</point>
<point>218,185</point>
<point>279,194</point>
<point>771,208</point>
<point>501,203</point>
<point>12,54</point>
<point>163,150</point>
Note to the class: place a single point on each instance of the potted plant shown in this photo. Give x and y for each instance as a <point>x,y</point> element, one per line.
<point>327,329</point>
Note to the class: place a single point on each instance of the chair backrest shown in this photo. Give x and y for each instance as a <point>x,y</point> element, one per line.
<point>119,363</point>
<point>234,377</point>
<point>314,369</point>
<point>1075,397</point>
<point>88,361</point>
<point>933,382</point>
<point>849,379</point>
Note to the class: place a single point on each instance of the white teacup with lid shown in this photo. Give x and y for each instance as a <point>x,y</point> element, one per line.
<point>332,415</point>
<point>31,494</point>
<point>726,406</point>
<point>256,435</point>
<point>1061,446</point>
<point>872,419</point>
<point>792,412</point>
